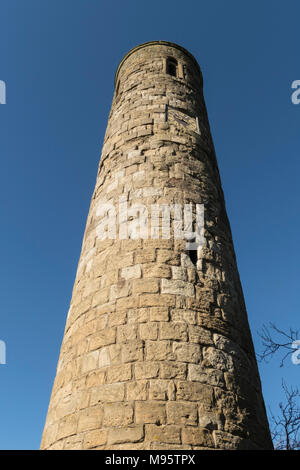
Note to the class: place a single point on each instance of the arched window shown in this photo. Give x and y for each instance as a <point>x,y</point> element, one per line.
<point>172,65</point>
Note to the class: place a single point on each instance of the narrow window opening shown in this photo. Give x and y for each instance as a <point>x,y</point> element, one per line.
<point>193,253</point>
<point>193,256</point>
<point>172,65</point>
<point>117,88</point>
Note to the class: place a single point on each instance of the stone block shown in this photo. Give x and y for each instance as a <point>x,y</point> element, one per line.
<point>141,286</point>
<point>146,370</point>
<point>148,331</point>
<point>117,414</point>
<point>159,351</point>
<point>159,314</point>
<point>197,437</point>
<point>156,270</point>
<point>107,393</point>
<point>170,370</point>
<point>150,412</point>
<point>173,330</point>
<point>119,373</point>
<point>178,287</point>
<point>132,351</point>
<point>137,390</point>
<point>184,413</point>
<point>126,333</point>
<point>158,389</point>
<point>67,426</point>
<point>131,272</point>
<point>90,418</point>
<point>213,377</point>
<point>168,434</point>
<point>94,438</point>
<point>194,391</point>
<point>102,338</point>
<point>123,435</point>
<point>187,352</point>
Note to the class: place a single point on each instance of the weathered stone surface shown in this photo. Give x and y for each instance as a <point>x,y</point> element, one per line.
<point>170,370</point>
<point>107,393</point>
<point>146,370</point>
<point>158,389</point>
<point>200,335</point>
<point>131,272</point>
<point>132,351</point>
<point>157,352</point>
<point>187,352</point>
<point>117,414</point>
<point>90,418</point>
<point>156,270</point>
<point>137,390</point>
<point>193,391</point>
<point>159,314</point>
<point>179,412</point>
<point>197,437</point>
<point>150,412</point>
<point>174,331</point>
<point>163,434</point>
<point>210,419</point>
<point>95,438</point>
<point>94,379</point>
<point>138,315</point>
<point>212,377</point>
<point>67,426</point>
<point>217,359</point>
<point>149,331</point>
<point>73,442</point>
<point>177,287</point>
<point>90,361</point>
<point>145,285</point>
<point>119,373</point>
<point>126,333</point>
<point>102,338</point>
<point>185,315</point>
<point>224,440</point>
<point>128,434</point>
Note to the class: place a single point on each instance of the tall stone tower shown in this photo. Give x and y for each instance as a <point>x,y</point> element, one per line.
<point>157,351</point>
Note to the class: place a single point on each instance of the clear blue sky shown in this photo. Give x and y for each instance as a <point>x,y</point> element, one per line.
<point>58,59</point>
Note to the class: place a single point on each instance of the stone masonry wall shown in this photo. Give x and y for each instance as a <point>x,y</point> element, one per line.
<point>157,352</point>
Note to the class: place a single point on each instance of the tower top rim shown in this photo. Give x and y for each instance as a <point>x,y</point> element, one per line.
<point>155,43</point>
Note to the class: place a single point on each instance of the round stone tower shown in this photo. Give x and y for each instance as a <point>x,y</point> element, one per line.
<point>157,351</point>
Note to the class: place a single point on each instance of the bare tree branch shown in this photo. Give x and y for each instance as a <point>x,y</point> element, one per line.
<point>276,341</point>
<point>285,427</point>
